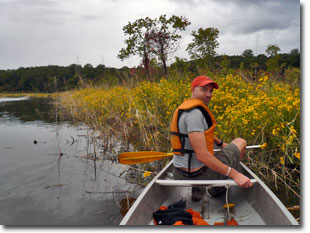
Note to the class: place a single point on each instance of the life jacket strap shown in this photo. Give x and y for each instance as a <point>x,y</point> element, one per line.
<point>179,134</point>
<point>189,164</point>
<point>184,151</point>
<point>182,140</point>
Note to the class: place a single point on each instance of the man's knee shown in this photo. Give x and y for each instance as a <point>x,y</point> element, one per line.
<point>240,143</point>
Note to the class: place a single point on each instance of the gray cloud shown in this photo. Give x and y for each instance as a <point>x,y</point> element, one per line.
<point>89,17</point>
<point>43,32</point>
<point>35,12</point>
<point>244,16</point>
<point>267,15</point>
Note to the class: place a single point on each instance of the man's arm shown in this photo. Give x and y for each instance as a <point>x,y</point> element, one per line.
<point>198,142</point>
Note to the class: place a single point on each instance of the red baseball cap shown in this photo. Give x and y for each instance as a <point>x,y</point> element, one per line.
<point>202,81</point>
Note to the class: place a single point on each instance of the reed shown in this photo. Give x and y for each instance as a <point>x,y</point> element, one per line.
<point>261,111</point>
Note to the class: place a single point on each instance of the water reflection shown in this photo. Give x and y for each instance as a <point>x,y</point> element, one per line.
<point>54,173</point>
<point>27,110</point>
<point>14,99</point>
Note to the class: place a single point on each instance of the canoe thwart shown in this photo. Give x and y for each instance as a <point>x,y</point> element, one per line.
<point>190,183</point>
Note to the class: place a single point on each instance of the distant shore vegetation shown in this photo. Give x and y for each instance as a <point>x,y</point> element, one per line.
<point>49,79</point>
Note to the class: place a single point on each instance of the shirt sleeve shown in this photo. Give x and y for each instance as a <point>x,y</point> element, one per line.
<point>195,121</point>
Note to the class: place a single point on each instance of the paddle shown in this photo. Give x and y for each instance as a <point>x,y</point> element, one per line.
<point>150,156</point>
<point>141,157</point>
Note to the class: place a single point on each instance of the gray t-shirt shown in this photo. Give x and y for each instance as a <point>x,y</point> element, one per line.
<point>189,122</point>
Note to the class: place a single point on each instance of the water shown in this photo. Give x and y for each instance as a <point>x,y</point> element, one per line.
<point>44,176</point>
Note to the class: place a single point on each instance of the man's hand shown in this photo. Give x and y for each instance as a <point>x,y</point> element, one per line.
<point>242,180</point>
<point>218,141</point>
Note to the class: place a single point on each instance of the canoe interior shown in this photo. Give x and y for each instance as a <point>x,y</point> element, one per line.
<point>255,206</point>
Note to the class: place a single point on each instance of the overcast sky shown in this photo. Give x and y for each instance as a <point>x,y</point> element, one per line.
<point>64,32</point>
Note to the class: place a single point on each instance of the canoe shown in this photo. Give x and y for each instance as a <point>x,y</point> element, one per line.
<point>254,206</point>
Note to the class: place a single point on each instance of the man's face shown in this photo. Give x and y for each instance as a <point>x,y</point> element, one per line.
<point>203,93</point>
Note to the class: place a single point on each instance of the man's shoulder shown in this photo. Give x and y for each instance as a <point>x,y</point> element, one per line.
<point>194,114</point>
<point>194,121</point>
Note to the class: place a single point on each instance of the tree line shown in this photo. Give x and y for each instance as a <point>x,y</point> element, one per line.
<point>155,41</point>
<point>54,78</point>
<point>50,79</point>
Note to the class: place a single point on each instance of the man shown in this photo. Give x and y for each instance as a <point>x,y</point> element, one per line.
<point>192,138</point>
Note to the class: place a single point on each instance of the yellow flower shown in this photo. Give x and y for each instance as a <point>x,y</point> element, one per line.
<point>147,173</point>
<point>297,155</point>
<point>263,146</point>
<point>274,132</point>
<point>282,160</point>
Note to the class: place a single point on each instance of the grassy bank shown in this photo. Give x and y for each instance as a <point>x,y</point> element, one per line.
<point>264,111</point>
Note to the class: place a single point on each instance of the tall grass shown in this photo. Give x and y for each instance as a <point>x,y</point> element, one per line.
<point>262,111</point>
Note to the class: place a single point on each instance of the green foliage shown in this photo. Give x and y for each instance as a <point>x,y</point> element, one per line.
<point>48,79</point>
<point>224,63</point>
<point>292,75</point>
<point>291,59</point>
<point>164,37</point>
<point>137,43</point>
<point>150,38</point>
<point>248,53</point>
<point>272,50</point>
<point>204,44</point>
<point>180,65</point>
<point>273,64</point>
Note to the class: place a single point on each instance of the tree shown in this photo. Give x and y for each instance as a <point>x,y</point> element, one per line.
<point>224,63</point>
<point>153,37</point>
<point>180,65</point>
<point>88,71</point>
<point>248,53</point>
<point>164,37</point>
<point>294,52</point>
<point>138,42</point>
<point>273,61</point>
<point>204,44</point>
<point>294,58</point>
<point>272,50</point>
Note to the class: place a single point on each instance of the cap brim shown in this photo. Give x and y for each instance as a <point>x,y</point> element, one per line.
<point>209,82</point>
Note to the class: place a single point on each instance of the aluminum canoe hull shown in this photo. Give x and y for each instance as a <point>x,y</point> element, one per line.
<point>255,206</point>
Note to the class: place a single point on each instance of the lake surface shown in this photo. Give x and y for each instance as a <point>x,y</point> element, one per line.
<point>45,178</point>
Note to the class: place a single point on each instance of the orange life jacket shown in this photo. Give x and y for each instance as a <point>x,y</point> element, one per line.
<point>180,219</point>
<point>186,217</point>
<point>178,139</point>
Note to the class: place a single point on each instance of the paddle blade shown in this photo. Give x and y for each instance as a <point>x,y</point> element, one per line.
<point>141,157</point>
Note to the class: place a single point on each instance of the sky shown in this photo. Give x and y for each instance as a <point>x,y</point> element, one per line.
<point>64,32</point>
